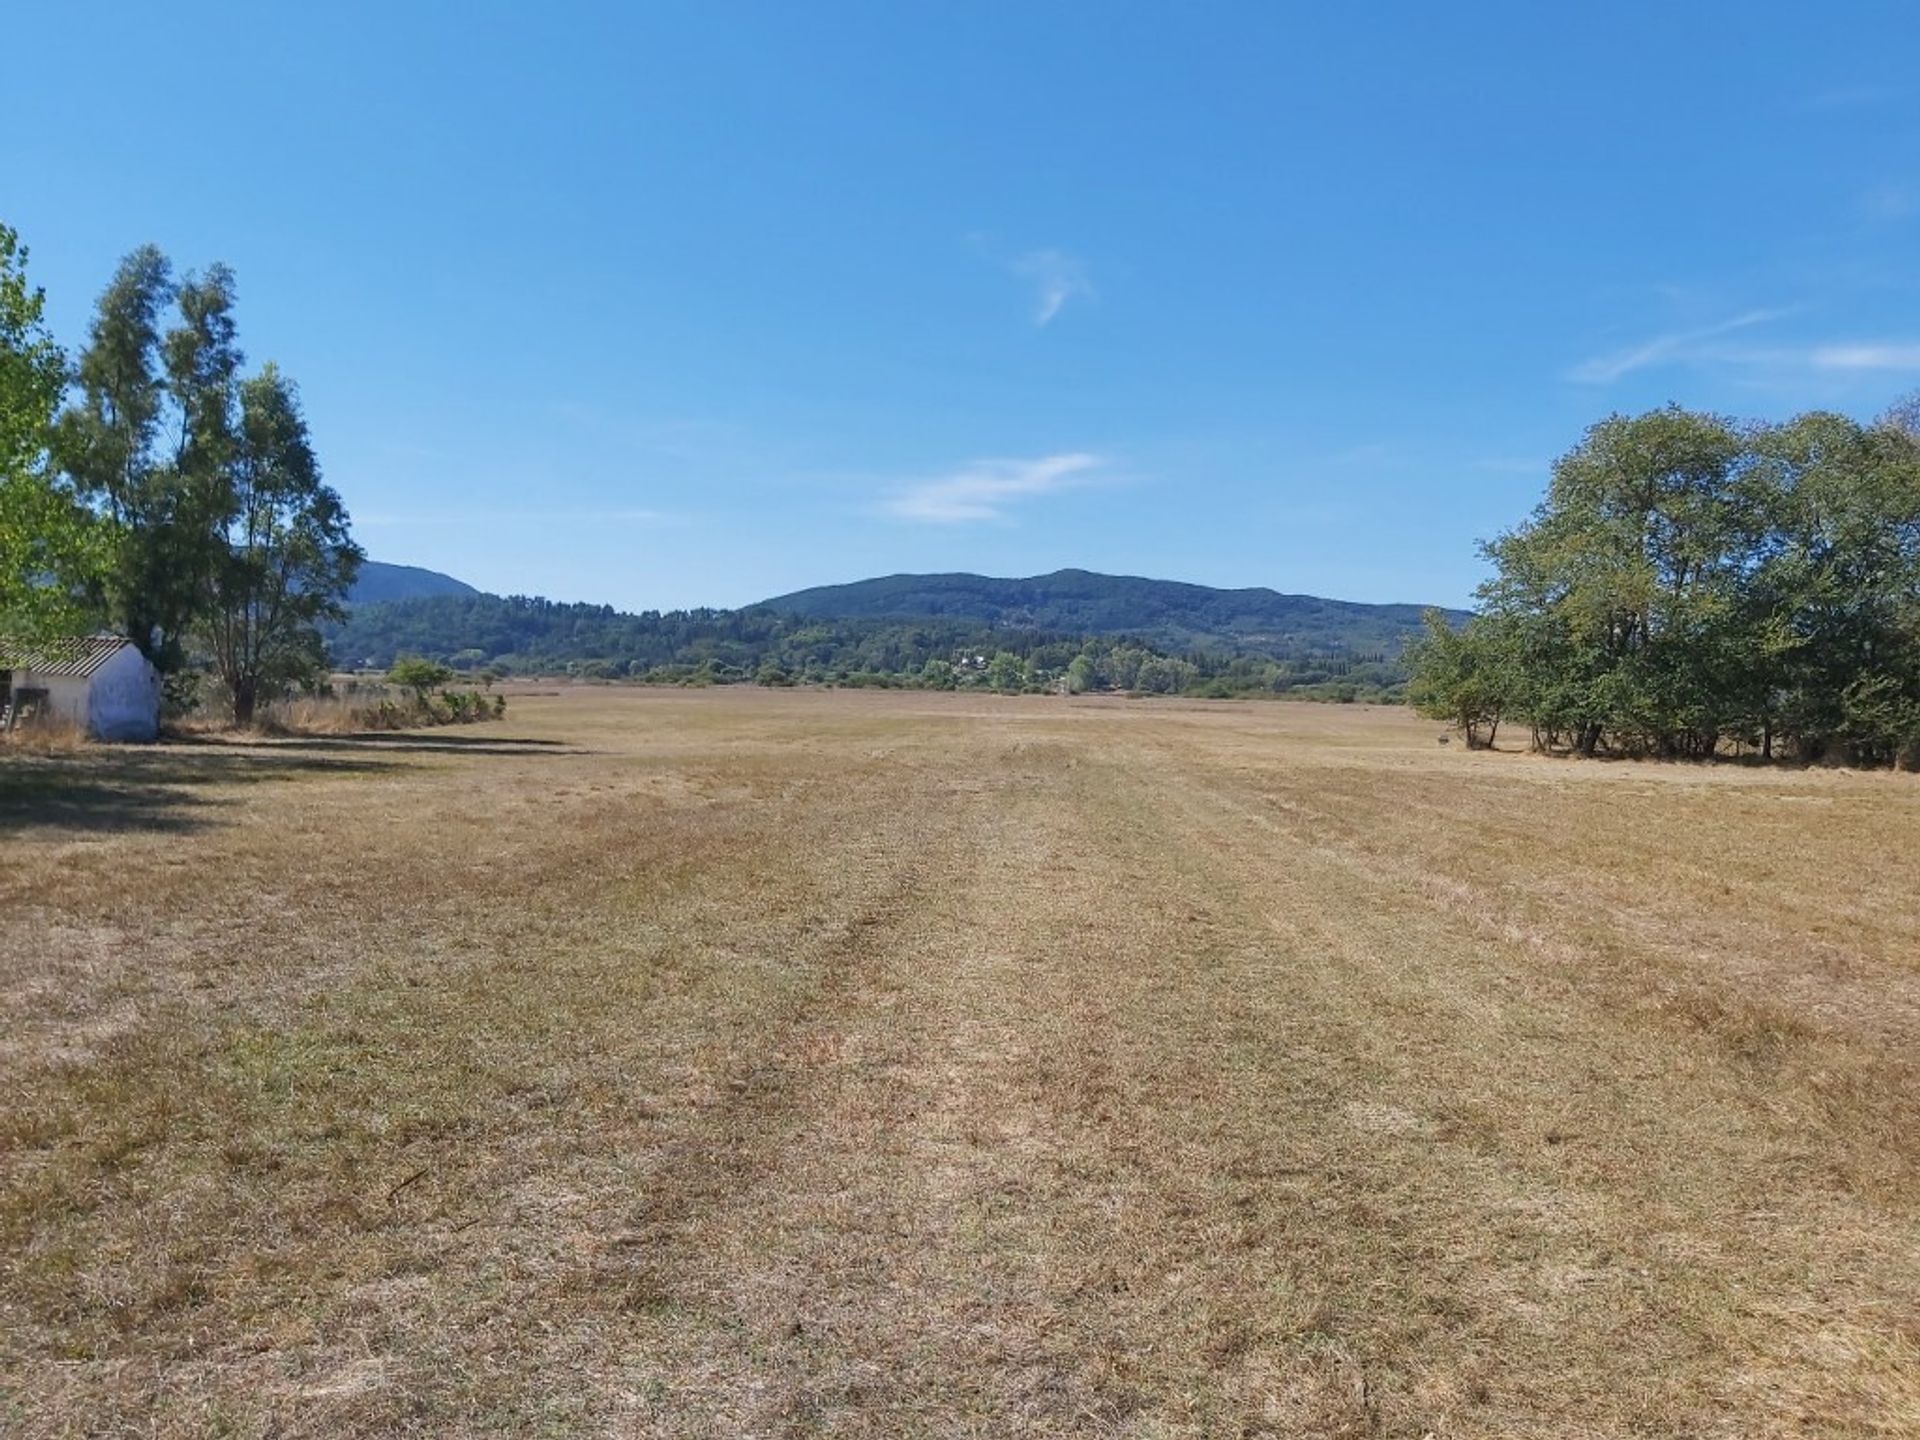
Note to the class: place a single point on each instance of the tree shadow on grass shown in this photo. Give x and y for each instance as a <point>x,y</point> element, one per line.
<point>161,788</point>
<point>400,741</point>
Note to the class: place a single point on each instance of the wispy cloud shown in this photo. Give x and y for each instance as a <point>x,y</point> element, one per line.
<point>1881,355</point>
<point>1675,347</point>
<point>1057,278</point>
<point>985,489</point>
<point>1754,362</point>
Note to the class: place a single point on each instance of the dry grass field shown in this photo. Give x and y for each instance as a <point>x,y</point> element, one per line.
<point>782,1064</point>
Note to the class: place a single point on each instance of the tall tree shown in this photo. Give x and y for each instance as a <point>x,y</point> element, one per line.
<point>288,556</point>
<point>1634,556</point>
<point>49,549</point>
<point>1835,593</point>
<point>149,441</point>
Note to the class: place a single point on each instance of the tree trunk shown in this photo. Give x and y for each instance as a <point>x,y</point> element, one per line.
<point>243,701</point>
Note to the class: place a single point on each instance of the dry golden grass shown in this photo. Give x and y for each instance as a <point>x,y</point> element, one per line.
<point>42,737</point>
<point>762,1063</point>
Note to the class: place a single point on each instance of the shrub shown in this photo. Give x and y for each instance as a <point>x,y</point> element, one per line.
<point>413,673</point>
<point>449,707</point>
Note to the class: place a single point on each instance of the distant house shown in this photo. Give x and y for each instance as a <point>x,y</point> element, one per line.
<point>101,683</point>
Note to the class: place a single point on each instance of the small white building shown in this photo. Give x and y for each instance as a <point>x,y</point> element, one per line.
<point>101,683</point>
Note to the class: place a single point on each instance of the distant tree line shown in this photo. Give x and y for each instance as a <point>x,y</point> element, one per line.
<point>1692,585</point>
<point>525,636</point>
<point>152,487</point>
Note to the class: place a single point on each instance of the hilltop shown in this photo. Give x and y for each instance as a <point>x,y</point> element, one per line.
<point>379,583</point>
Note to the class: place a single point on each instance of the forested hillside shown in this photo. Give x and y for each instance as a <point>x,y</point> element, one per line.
<point>1167,613</point>
<point>519,635</point>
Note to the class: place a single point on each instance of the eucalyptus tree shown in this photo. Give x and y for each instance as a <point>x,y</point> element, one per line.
<point>221,532</point>
<point>286,557</point>
<point>149,440</point>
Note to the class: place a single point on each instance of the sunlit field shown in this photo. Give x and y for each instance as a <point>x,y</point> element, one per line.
<point>760,1063</point>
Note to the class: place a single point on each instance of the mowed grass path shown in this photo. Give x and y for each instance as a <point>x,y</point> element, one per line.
<point>783,1064</point>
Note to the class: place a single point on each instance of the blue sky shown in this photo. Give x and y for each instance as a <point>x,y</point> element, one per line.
<point>697,303</point>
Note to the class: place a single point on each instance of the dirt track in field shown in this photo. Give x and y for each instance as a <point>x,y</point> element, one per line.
<point>777,1064</point>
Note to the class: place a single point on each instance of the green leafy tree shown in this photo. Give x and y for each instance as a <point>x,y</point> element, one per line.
<point>149,441</point>
<point>1123,666</point>
<point>1835,594</point>
<point>50,548</point>
<point>287,559</point>
<point>1635,558</point>
<point>1688,582</point>
<point>1006,673</point>
<point>1165,675</point>
<point>421,676</point>
<point>1465,677</point>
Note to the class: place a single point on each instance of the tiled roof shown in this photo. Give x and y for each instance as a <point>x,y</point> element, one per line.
<point>79,657</point>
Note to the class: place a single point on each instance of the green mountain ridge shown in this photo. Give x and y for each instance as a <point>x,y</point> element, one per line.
<point>1074,628</point>
<point>1170,614</point>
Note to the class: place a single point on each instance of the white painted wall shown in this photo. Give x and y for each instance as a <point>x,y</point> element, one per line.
<point>123,702</point>
<point>66,695</point>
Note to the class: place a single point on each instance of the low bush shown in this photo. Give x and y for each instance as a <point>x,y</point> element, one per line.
<point>366,705</point>
<point>449,707</point>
